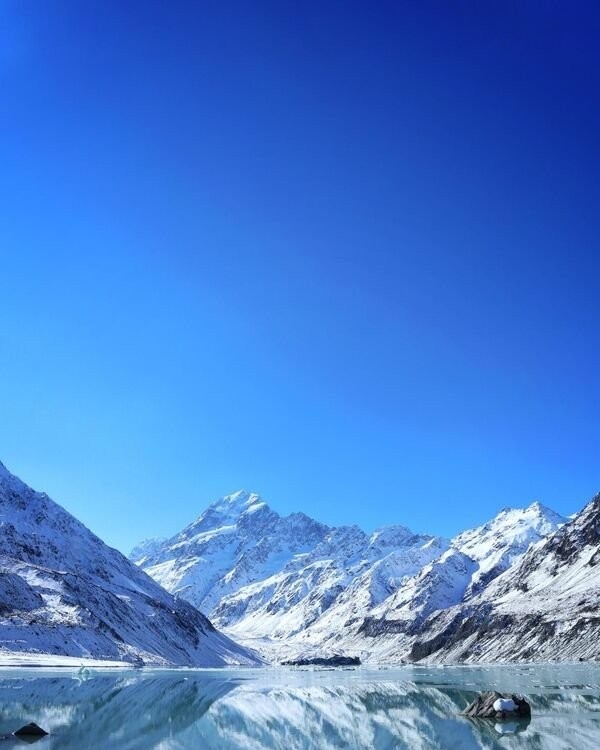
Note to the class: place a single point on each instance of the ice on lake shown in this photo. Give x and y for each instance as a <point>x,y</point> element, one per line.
<point>413,707</point>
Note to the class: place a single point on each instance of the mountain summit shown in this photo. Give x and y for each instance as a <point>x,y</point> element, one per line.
<point>235,541</point>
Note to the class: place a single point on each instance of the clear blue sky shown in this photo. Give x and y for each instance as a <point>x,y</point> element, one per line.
<point>345,255</point>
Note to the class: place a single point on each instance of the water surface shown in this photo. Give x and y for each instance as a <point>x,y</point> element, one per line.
<point>413,707</point>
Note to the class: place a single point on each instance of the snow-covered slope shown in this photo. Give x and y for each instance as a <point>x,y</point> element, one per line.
<point>317,600</point>
<point>440,584</point>
<point>475,558</point>
<point>64,592</point>
<point>498,544</point>
<point>548,603</point>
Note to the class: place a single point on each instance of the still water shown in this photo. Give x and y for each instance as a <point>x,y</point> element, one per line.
<point>413,707</point>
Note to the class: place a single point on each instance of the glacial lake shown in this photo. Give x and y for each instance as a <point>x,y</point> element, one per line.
<point>375,709</point>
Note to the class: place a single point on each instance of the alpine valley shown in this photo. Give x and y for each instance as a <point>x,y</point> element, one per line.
<point>523,587</point>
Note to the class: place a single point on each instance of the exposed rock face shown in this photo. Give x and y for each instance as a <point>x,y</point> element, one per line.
<point>64,592</point>
<point>17,595</point>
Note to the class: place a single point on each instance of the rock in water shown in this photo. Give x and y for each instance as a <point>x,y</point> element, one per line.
<point>30,733</point>
<point>30,730</point>
<point>494,705</point>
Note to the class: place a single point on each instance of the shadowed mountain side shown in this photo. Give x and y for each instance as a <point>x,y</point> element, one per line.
<point>64,592</point>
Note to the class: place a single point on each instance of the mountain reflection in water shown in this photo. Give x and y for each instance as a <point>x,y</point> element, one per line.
<point>416,708</point>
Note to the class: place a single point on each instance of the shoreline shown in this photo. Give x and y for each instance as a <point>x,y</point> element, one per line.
<point>17,660</point>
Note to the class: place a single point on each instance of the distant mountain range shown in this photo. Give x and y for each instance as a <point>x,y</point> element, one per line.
<point>64,592</point>
<point>290,586</point>
<point>525,586</point>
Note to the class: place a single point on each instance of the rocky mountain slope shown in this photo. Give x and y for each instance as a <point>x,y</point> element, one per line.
<point>335,588</point>
<point>544,607</point>
<point>64,592</point>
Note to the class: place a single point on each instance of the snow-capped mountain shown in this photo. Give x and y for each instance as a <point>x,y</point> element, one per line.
<point>334,588</point>
<point>543,607</point>
<point>262,576</point>
<point>64,592</point>
<point>476,557</point>
<point>498,544</point>
<point>317,599</point>
<point>237,541</point>
<point>524,585</point>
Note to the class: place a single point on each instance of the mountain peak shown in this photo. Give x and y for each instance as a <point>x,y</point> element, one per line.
<point>226,512</point>
<point>540,508</point>
<point>498,543</point>
<point>390,537</point>
<point>536,512</point>
<point>237,503</point>
<point>547,519</point>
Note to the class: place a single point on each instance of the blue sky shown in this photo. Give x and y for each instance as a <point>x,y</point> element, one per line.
<point>342,254</point>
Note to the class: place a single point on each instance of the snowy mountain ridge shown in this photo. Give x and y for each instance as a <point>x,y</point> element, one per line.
<point>333,587</point>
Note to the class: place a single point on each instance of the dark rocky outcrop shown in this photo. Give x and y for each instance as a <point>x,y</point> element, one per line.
<point>372,627</point>
<point>483,707</point>
<point>324,661</point>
